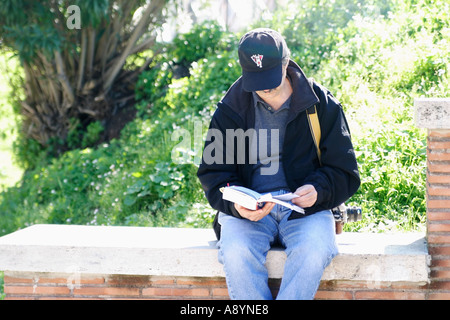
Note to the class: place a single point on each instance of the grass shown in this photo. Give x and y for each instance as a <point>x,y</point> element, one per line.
<point>10,172</point>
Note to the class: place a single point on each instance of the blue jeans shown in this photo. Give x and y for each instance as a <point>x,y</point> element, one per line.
<point>309,245</point>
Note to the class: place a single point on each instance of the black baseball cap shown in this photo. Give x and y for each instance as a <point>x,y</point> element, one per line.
<point>261,52</point>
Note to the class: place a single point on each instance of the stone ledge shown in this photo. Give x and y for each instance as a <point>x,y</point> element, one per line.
<point>193,253</point>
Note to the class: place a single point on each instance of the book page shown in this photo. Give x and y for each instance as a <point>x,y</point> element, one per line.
<point>249,198</point>
<point>286,196</point>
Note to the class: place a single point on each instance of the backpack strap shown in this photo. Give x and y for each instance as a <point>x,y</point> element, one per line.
<point>314,126</point>
<point>340,212</point>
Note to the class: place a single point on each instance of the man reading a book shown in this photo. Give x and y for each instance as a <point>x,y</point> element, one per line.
<point>270,102</point>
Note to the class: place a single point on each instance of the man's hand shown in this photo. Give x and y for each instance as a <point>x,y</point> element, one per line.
<point>307,196</point>
<point>255,215</point>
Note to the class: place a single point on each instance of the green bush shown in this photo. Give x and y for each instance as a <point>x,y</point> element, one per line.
<point>132,180</point>
<point>379,69</point>
<point>204,39</point>
<point>314,28</point>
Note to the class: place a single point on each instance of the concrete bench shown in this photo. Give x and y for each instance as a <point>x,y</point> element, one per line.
<point>71,261</point>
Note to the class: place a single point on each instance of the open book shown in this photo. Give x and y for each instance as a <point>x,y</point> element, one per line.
<point>252,200</point>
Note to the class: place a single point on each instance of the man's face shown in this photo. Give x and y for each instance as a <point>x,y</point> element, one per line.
<point>274,92</point>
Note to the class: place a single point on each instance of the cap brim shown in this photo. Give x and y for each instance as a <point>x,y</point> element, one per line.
<point>263,80</point>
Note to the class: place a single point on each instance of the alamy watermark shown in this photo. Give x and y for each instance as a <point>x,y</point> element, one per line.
<point>229,147</point>
<point>74,19</point>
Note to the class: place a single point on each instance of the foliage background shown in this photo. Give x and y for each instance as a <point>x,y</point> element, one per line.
<point>375,57</point>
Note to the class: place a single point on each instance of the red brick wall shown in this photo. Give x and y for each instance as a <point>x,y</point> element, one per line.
<point>45,286</point>
<point>48,286</point>
<point>438,207</point>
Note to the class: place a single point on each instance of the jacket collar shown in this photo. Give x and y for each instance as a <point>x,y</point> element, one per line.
<point>302,98</point>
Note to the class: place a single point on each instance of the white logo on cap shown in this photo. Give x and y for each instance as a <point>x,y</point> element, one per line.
<point>257,58</point>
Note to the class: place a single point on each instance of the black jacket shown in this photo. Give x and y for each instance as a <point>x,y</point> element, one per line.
<point>335,181</point>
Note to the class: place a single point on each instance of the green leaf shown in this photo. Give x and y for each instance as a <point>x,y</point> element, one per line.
<point>129,200</point>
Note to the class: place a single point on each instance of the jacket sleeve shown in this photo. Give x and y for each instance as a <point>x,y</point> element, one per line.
<point>214,172</point>
<point>338,177</point>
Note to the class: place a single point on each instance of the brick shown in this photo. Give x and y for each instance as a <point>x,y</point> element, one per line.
<point>53,298</point>
<point>53,280</point>
<point>128,280</point>
<point>439,215</point>
<point>52,290</point>
<point>438,238</point>
<point>88,298</point>
<point>20,298</point>
<point>106,291</point>
<point>409,286</point>
<point>438,167</point>
<point>56,280</point>
<point>18,290</point>
<point>438,203</point>
<point>333,295</point>
<point>438,144</point>
<point>438,227</point>
<point>439,133</point>
<point>36,290</point>
<point>439,296</point>
<point>157,291</point>
<point>11,280</point>
<point>439,250</point>
<point>438,178</point>
<point>438,156</point>
<point>221,292</point>
<point>190,292</point>
<point>156,282</point>
<point>342,284</point>
<point>440,274</point>
<point>441,263</point>
<point>93,281</point>
<point>141,281</point>
<point>437,284</point>
<point>201,282</point>
<point>389,295</point>
<point>439,190</point>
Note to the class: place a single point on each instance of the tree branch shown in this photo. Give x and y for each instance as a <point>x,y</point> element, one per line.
<point>154,6</point>
<point>90,51</point>
<point>82,61</point>
<point>145,44</point>
<point>63,79</point>
<point>52,92</point>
